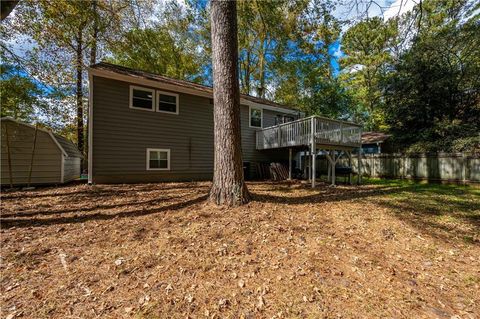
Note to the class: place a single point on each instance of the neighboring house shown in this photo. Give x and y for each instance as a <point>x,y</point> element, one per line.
<point>373,142</point>
<point>56,160</point>
<point>146,127</point>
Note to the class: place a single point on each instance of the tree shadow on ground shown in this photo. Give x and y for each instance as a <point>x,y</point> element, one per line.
<point>39,222</point>
<point>441,211</point>
<point>100,191</point>
<point>88,209</point>
<point>445,212</point>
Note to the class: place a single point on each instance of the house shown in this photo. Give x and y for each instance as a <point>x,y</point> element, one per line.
<point>372,142</point>
<point>36,156</point>
<point>145,128</point>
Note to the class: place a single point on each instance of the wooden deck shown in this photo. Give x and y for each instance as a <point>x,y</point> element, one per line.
<point>325,132</point>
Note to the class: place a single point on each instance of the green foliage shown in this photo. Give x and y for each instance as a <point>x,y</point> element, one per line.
<point>432,94</point>
<point>367,59</point>
<point>167,48</point>
<point>304,75</point>
<point>19,94</point>
<point>265,28</point>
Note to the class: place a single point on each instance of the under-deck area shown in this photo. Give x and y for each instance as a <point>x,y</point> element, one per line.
<point>313,134</point>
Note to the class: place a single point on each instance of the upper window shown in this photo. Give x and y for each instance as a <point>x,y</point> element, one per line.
<point>256,115</point>
<point>280,119</point>
<point>142,98</point>
<point>167,102</point>
<point>158,159</point>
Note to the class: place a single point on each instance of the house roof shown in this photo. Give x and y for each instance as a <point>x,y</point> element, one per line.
<point>66,146</point>
<point>374,137</point>
<point>181,83</point>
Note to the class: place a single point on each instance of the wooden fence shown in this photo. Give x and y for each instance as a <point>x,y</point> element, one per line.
<point>456,167</point>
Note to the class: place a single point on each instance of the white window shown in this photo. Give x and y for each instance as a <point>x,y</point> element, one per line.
<point>167,102</point>
<point>142,98</point>
<point>255,116</point>
<point>280,119</point>
<point>158,159</point>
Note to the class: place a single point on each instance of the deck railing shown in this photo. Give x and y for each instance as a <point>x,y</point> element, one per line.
<point>300,132</point>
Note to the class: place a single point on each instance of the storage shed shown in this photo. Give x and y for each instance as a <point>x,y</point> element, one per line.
<point>36,154</point>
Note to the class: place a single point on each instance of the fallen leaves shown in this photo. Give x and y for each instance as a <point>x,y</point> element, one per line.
<point>141,251</point>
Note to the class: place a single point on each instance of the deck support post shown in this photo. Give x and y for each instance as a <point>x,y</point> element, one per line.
<point>332,160</point>
<point>289,164</point>
<point>313,166</point>
<point>333,167</point>
<point>359,180</point>
<point>329,168</point>
<point>306,160</point>
<point>349,154</point>
<point>314,152</point>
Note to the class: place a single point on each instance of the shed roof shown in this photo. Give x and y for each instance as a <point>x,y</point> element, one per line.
<point>181,83</point>
<point>374,137</point>
<point>66,146</point>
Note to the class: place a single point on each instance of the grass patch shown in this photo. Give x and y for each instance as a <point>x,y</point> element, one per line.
<point>447,205</point>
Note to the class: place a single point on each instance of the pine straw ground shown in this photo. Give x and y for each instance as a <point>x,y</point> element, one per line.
<point>388,249</point>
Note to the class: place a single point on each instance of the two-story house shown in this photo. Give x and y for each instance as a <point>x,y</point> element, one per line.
<point>145,127</point>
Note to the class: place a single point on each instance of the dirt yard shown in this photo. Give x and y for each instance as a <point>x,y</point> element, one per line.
<point>384,250</point>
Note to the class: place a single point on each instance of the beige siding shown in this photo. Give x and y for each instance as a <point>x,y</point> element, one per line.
<point>71,169</point>
<point>47,158</point>
<point>121,136</point>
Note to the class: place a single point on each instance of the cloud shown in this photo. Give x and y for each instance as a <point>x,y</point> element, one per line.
<point>398,8</point>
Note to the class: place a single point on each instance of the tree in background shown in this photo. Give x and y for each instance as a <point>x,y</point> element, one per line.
<point>265,28</point>
<point>367,58</point>
<point>168,47</point>
<point>228,186</point>
<point>305,76</point>
<point>433,90</point>
<point>19,94</point>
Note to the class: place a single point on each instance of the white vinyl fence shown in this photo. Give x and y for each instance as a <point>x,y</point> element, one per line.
<point>451,167</point>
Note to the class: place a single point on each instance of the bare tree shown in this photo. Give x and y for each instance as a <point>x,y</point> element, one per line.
<point>228,183</point>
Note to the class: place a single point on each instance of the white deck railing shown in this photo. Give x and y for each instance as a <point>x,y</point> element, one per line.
<point>301,132</point>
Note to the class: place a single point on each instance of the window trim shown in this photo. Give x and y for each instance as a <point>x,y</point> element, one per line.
<point>250,107</point>
<point>141,88</point>
<point>167,150</point>
<point>157,108</point>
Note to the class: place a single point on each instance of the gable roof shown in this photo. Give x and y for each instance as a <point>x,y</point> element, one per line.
<point>64,145</point>
<point>374,137</point>
<point>104,66</point>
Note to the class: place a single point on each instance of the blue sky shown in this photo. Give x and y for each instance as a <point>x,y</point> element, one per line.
<point>336,53</point>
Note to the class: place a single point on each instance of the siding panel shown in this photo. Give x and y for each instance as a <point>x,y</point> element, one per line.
<point>47,157</point>
<point>71,169</point>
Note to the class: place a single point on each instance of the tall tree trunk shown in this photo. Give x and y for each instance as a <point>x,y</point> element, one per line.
<point>93,50</point>
<point>261,71</point>
<point>93,60</point>
<point>247,74</point>
<point>228,184</point>
<point>79,92</point>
